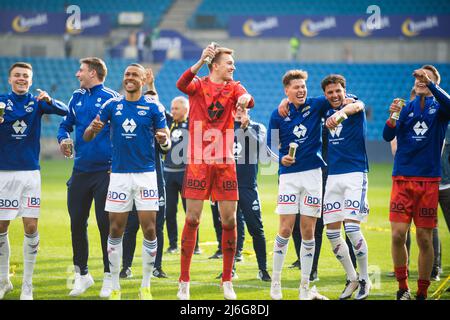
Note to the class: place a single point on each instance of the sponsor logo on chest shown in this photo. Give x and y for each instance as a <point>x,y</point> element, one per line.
<point>420,129</point>
<point>129,125</point>
<point>19,128</point>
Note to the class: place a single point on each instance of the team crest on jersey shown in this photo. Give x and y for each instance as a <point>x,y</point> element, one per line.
<point>336,132</point>
<point>300,131</point>
<point>19,128</point>
<point>420,128</point>
<point>215,110</point>
<point>129,126</point>
<point>119,107</point>
<point>176,135</point>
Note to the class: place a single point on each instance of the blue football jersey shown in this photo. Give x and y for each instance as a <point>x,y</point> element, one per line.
<point>248,144</point>
<point>420,135</point>
<point>83,108</point>
<point>133,125</point>
<point>176,157</point>
<point>302,126</point>
<point>346,144</point>
<point>21,130</point>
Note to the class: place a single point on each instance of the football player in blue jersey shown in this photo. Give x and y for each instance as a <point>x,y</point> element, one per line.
<point>20,179</point>
<point>129,237</point>
<point>90,175</point>
<point>420,132</point>
<point>135,121</point>
<point>300,176</point>
<point>345,199</point>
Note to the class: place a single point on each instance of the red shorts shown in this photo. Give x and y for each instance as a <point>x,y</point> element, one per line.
<point>414,198</point>
<point>218,181</point>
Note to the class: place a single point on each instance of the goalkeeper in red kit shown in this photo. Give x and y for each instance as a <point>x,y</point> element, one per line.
<point>211,169</point>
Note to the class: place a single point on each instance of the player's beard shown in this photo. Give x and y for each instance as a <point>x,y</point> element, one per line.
<point>132,91</point>
<point>135,89</point>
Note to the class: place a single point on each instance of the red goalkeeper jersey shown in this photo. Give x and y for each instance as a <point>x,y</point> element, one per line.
<point>212,109</point>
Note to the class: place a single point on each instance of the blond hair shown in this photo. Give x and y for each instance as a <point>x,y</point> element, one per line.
<point>293,75</point>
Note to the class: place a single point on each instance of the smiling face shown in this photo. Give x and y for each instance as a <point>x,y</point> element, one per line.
<point>421,88</point>
<point>296,91</point>
<point>335,94</point>
<point>85,76</point>
<point>133,79</point>
<point>20,80</point>
<point>224,67</point>
<point>178,110</point>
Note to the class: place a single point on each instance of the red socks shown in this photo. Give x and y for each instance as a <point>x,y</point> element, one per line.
<point>401,273</point>
<point>422,287</point>
<point>229,236</point>
<point>188,239</point>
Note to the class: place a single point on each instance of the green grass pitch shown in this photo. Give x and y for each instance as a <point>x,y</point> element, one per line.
<point>54,270</point>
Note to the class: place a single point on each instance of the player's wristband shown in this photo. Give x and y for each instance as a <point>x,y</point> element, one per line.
<point>166,146</point>
<point>388,123</point>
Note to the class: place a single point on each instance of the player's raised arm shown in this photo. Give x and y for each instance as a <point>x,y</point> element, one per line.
<point>51,106</point>
<point>283,108</point>
<point>185,83</point>
<point>353,107</point>
<point>441,96</point>
<point>391,124</point>
<point>150,82</point>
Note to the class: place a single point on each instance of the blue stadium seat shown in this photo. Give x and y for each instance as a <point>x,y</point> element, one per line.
<point>221,11</point>
<point>153,9</point>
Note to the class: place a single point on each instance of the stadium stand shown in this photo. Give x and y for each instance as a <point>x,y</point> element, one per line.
<point>215,14</point>
<point>153,10</point>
